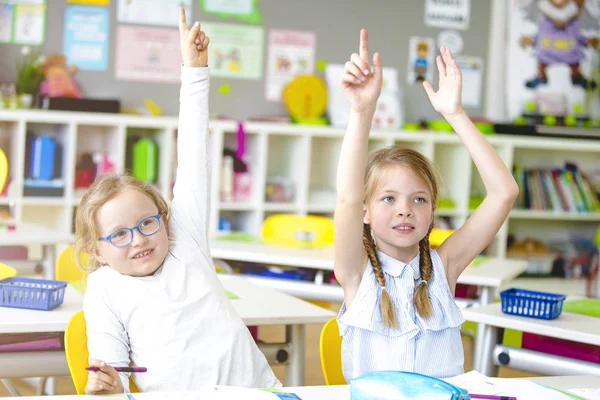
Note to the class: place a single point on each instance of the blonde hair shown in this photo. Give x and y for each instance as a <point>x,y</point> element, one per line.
<point>105,188</point>
<point>377,164</point>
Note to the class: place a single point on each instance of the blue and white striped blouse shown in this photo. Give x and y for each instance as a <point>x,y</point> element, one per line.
<point>430,346</point>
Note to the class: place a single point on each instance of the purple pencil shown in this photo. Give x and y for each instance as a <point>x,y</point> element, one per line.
<point>491,397</point>
<point>121,369</point>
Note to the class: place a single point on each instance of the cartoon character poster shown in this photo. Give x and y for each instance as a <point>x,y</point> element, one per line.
<point>420,59</point>
<point>553,61</point>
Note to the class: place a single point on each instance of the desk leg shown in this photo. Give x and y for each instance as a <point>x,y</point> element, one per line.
<point>294,373</point>
<point>486,297</point>
<point>487,366</point>
<point>49,255</point>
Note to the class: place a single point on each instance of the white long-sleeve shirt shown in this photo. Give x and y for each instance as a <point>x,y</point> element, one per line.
<point>178,322</point>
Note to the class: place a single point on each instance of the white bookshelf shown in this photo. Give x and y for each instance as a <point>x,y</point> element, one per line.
<point>307,155</point>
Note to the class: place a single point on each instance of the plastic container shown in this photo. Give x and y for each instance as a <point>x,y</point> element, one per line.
<point>34,294</point>
<point>529,303</point>
<point>561,347</point>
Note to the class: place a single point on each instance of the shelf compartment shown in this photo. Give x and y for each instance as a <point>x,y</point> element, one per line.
<point>250,160</point>
<point>52,184</point>
<point>453,164</point>
<point>99,149</point>
<point>244,221</point>
<point>286,159</point>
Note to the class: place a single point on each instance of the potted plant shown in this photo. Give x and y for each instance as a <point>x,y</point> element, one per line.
<point>29,75</point>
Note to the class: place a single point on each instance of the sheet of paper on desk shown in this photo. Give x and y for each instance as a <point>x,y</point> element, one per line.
<point>213,393</point>
<point>474,382</point>
<point>526,389</point>
<point>588,394</point>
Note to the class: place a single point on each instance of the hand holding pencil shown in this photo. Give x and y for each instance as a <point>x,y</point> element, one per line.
<point>103,379</point>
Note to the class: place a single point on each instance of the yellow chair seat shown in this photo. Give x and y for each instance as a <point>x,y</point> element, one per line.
<point>6,271</point>
<point>330,348</point>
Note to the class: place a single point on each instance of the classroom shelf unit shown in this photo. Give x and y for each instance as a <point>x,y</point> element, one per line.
<point>304,156</point>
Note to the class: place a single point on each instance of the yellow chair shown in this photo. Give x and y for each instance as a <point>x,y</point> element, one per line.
<point>66,269</point>
<point>437,236</point>
<point>6,271</point>
<point>330,348</point>
<point>297,230</point>
<point>77,353</point>
<point>3,169</point>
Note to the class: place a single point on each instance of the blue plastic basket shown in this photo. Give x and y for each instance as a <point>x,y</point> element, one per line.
<point>34,294</point>
<point>529,303</point>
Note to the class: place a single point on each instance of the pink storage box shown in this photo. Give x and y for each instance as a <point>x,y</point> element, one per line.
<point>561,347</point>
<point>31,342</point>
<point>13,253</point>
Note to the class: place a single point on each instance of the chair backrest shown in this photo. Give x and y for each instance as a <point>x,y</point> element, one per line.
<point>437,236</point>
<point>330,347</point>
<point>6,271</point>
<point>77,353</point>
<point>66,268</point>
<point>297,230</point>
<point>3,169</point>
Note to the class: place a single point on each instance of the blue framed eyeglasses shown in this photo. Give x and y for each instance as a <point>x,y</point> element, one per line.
<point>122,237</point>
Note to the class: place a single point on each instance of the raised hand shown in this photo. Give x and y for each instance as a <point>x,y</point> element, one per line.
<point>447,100</point>
<point>193,43</point>
<point>362,86</point>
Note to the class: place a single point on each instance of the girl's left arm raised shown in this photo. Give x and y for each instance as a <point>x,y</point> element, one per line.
<point>501,189</point>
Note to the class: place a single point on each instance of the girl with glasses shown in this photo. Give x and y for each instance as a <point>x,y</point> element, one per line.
<point>153,298</point>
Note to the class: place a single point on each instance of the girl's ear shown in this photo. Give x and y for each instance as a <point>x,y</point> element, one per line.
<point>366,218</point>
<point>98,257</point>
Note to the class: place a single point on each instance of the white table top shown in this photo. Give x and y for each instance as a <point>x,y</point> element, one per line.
<point>493,272</point>
<point>569,287</point>
<point>342,392</point>
<point>26,233</point>
<point>569,326</point>
<point>321,258</point>
<point>256,305</point>
<point>569,382</point>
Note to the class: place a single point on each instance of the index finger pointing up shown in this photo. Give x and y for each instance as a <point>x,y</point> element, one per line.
<point>363,50</point>
<point>183,28</point>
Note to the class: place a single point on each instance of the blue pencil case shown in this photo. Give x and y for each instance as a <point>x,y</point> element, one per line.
<point>398,385</point>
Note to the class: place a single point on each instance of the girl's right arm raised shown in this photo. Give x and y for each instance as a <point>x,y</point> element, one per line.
<point>191,194</point>
<point>362,86</point>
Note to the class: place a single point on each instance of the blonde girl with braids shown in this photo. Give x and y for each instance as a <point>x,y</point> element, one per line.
<point>399,311</point>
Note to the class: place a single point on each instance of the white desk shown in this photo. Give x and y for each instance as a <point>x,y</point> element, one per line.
<point>569,287</point>
<point>255,305</point>
<point>341,392</point>
<point>27,234</point>
<point>568,326</point>
<point>489,275</point>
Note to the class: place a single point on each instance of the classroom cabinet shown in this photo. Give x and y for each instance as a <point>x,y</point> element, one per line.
<point>267,168</point>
